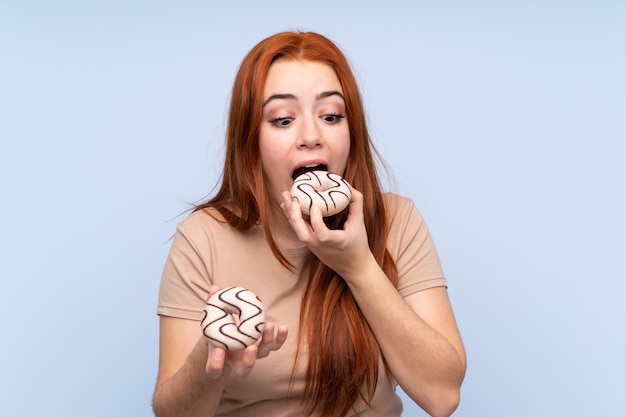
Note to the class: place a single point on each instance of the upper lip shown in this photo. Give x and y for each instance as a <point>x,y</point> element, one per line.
<point>312,165</point>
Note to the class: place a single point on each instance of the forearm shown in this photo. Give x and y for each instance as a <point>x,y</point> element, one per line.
<point>190,392</point>
<point>425,363</point>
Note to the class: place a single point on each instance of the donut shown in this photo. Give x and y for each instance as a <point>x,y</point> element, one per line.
<point>218,323</point>
<point>323,189</point>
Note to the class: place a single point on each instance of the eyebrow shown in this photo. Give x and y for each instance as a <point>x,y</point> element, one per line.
<point>320,96</point>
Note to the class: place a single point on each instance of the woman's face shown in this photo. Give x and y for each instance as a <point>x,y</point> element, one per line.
<point>303,123</point>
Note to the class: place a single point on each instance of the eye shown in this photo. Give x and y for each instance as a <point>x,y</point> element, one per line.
<point>333,118</point>
<point>282,121</point>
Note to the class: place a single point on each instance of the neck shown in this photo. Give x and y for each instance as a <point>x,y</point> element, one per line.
<point>282,231</point>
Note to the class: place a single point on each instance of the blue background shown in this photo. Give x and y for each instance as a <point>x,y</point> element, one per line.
<point>504,121</point>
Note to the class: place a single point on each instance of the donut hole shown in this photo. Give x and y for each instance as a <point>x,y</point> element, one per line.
<point>233,318</point>
<point>322,189</point>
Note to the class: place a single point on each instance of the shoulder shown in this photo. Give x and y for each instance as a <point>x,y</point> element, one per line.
<point>401,209</point>
<point>203,217</point>
<point>199,231</point>
<point>412,247</point>
<point>202,221</point>
<point>208,227</point>
<point>397,202</point>
<point>406,224</point>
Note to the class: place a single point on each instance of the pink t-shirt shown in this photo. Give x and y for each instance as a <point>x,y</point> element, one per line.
<point>206,252</point>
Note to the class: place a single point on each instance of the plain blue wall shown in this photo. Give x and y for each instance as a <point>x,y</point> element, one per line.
<point>504,121</point>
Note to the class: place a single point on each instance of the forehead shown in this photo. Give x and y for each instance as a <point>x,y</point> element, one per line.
<point>293,76</point>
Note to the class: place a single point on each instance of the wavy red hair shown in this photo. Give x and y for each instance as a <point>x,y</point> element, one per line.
<point>343,359</point>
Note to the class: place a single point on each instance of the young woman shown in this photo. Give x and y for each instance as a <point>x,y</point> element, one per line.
<point>361,293</point>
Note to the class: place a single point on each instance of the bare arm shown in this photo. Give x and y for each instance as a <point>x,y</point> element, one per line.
<point>183,386</point>
<point>192,374</point>
<point>418,336</point>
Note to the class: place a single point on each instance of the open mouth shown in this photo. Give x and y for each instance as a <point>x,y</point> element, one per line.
<point>308,168</point>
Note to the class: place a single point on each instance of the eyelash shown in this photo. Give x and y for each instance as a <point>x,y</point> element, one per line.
<point>336,117</point>
<point>280,121</point>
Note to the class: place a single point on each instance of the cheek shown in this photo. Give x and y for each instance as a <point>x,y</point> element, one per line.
<point>343,145</point>
<point>266,147</point>
<point>347,144</point>
<point>343,152</point>
<point>271,153</point>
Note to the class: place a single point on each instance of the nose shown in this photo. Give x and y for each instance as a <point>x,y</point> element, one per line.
<point>309,134</point>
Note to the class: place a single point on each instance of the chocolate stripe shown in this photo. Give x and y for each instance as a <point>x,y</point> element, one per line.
<point>330,192</point>
<point>218,324</point>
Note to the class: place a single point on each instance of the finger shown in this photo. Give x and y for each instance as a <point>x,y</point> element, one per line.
<point>281,337</point>
<point>244,362</point>
<point>356,203</point>
<point>289,205</point>
<point>273,340</point>
<point>322,232</point>
<point>355,215</point>
<point>294,215</point>
<point>213,289</point>
<point>286,204</point>
<point>266,341</point>
<point>215,363</point>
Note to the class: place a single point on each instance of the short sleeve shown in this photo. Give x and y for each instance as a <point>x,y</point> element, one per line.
<point>412,248</point>
<point>186,279</point>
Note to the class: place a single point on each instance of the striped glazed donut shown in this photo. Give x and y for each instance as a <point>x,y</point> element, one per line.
<point>219,326</point>
<point>328,191</point>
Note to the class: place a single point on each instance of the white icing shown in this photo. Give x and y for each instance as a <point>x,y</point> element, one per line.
<point>328,191</point>
<point>219,326</point>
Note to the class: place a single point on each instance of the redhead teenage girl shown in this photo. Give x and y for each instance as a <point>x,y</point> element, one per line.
<point>355,303</point>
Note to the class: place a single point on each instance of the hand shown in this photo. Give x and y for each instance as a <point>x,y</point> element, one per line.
<point>241,362</point>
<point>345,251</point>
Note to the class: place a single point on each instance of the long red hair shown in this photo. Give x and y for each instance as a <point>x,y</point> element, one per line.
<point>343,355</point>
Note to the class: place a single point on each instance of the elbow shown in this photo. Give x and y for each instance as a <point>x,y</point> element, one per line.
<point>442,400</point>
<point>156,407</point>
<point>444,404</point>
<point>438,400</point>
